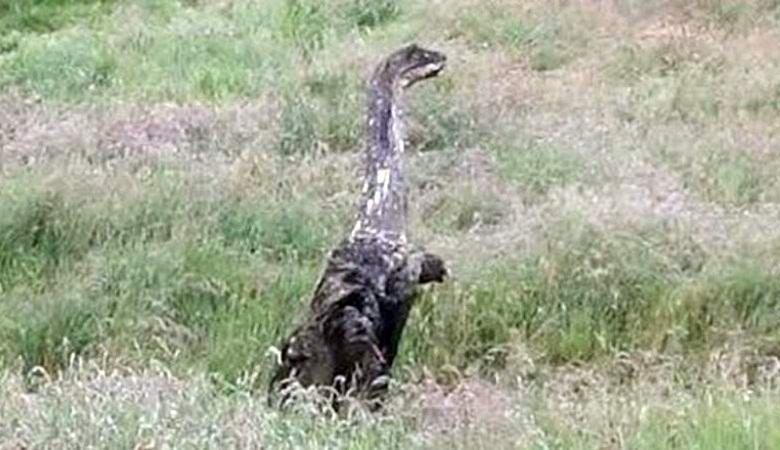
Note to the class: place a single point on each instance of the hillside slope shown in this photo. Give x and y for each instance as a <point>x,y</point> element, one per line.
<point>602,175</point>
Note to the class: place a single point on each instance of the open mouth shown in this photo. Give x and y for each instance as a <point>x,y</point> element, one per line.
<point>423,72</point>
<point>435,69</point>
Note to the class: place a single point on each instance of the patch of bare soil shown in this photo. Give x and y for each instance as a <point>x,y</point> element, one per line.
<point>447,412</point>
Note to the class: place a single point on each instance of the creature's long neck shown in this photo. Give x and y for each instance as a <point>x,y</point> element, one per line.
<point>383,205</point>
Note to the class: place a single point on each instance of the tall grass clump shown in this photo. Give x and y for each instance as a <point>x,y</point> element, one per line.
<point>766,102</point>
<point>589,295</point>
<point>730,178</point>
<point>586,295</point>
<point>306,23</point>
<point>68,65</point>
<point>369,14</point>
<point>632,63</point>
<point>51,329</point>
<point>322,113</point>
<point>740,297</point>
<point>738,16</point>
<point>176,273</point>
<point>466,209</point>
<point>39,231</point>
<point>44,16</point>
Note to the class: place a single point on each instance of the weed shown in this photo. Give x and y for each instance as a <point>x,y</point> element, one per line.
<point>306,23</point>
<point>340,108</point>
<point>48,330</point>
<point>369,14</point>
<point>297,127</point>
<point>320,116</point>
<point>633,63</point>
<point>766,102</point>
<point>36,236</point>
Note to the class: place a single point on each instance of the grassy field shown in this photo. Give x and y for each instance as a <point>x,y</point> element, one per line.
<point>601,175</point>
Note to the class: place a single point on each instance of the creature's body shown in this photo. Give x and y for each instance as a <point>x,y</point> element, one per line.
<point>363,298</point>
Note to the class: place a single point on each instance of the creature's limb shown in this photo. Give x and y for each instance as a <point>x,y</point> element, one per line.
<point>351,335</point>
<point>305,360</point>
<point>426,267</point>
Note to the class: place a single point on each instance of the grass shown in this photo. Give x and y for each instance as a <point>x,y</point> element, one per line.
<point>153,276</point>
<point>125,271</point>
<point>43,16</point>
<point>172,175</point>
<point>174,50</point>
<point>588,298</point>
<point>719,424</point>
<point>725,422</point>
<point>443,124</point>
<point>115,410</point>
<point>541,38</point>
<point>317,117</point>
<point>535,167</point>
<point>728,177</point>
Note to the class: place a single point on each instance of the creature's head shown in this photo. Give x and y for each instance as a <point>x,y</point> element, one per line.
<point>412,63</point>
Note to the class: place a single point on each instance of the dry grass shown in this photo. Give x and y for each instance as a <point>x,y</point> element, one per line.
<point>626,403</point>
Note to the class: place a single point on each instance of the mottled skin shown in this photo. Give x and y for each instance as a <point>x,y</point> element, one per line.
<point>383,205</point>
<point>362,300</point>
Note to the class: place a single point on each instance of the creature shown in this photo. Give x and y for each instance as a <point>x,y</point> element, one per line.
<point>362,300</point>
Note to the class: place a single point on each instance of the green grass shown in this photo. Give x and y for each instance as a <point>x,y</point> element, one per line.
<point>320,114</point>
<point>535,167</point>
<point>602,193</point>
<point>540,35</point>
<point>174,51</point>
<point>718,423</point>
<point>440,122</point>
<point>43,16</point>
<point>730,179</point>
<point>212,281</point>
<point>194,54</point>
<point>150,274</point>
<point>466,209</point>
